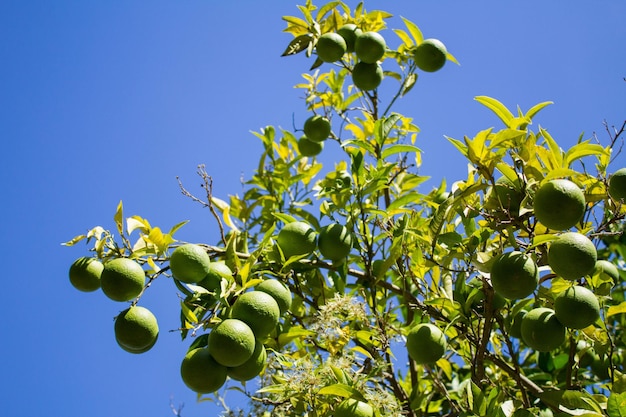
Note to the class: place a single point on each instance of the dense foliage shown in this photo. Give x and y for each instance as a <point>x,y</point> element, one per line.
<point>415,256</point>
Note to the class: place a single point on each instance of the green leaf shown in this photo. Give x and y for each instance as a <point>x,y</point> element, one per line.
<point>404,37</point>
<point>617,309</point>
<point>581,150</point>
<point>415,31</point>
<point>616,406</point>
<point>119,218</point>
<point>177,226</point>
<point>135,222</point>
<point>536,109</point>
<point>293,333</point>
<point>189,315</point>
<point>555,150</point>
<point>74,240</point>
<point>298,44</point>
<point>340,390</point>
<point>498,108</point>
<point>321,13</point>
<point>395,149</point>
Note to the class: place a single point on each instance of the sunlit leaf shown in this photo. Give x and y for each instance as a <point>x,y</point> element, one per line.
<point>119,218</point>
<point>189,315</point>
<point>74,240</point>
<point>415,31</point>
<point>395,149</point>
<point>340,390</point>
<point>616,309</point>
<point>498,108</point>
<point>135,222</point>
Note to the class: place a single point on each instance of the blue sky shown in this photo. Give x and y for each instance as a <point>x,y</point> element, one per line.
<point>105,101</point>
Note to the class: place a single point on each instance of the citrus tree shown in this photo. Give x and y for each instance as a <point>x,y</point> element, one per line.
<point>349,290</point>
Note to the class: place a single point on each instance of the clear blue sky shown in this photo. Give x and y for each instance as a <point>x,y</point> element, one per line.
<point>104,101</point>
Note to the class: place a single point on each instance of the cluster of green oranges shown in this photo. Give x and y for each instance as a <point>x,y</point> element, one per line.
<point>558,205</point>
<point>316,130</point>
<point>121,279</point>
<point>334,241</point>
<point>235,346</point>
<point>370,47</point>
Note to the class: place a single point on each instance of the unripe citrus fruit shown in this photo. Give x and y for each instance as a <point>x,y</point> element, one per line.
<point>370,47</point>
<point>425,343</point>
<point>430,55</point>
<point>308,147</point>
<point>201,372</point>
<point>296,238</point>
<point>514,275</point>
<point>559,204</point>
<point>572,255</point>
<point>317,128</point>
<point>85,274</point>
<point>617,184</point>
<point>505,195</point>
<point>330,47</point>
<point>217,272</point>
<point>367,76</point>
<point>136,329</point>
<point>577,307</point>
<point>351,407</point>
<point>252,367</point>
<point>334,242</point>
<point>541,330</point>
<point>515,329</point>
<point>278,291</point>
<point>349,32</point>
<point>122,279</point>
<point>259,310</point>
<point>190,263</point>
<point>608,268</point>
<point>231,343</point>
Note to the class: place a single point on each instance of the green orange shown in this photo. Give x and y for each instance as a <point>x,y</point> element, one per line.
<point>577,307</point>
<point>514,275</point>
<point>278,291</point>
<point>349,33</point>
<point>572,256</point>
<point>296,239</point>
<point>85,274</point>
<point>541,329</point>
<point>317,128</point>
<point>201,372</point>
<point>218,271</point>
<point>252,367</point>
<point>430,55</point>
<point>136,329</point>
<point>559,204</point>
<point>330,47</point>
<point>259,310</point>
<point>367,76</point>
<point>425,343</point>
<point>190,263</point>
<point>335,242</point>
<point>231,342</point>
<point>308,147</point>
<point>122,279</point>
<point>617,185</point>
<point>370,47</point>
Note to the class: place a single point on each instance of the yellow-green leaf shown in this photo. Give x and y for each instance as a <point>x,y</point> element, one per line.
<point>187,313</point>
<point>498,108</point>
<point>618,309</point>
<point>119,216</point>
